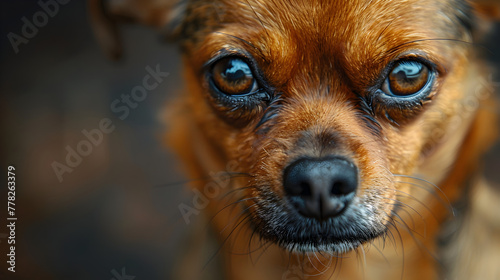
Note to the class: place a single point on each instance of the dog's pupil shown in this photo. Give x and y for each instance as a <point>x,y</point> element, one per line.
<point>236,70</point>
<point>233,76</point>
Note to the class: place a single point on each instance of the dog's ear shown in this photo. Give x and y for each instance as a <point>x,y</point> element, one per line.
<point>107,15</point>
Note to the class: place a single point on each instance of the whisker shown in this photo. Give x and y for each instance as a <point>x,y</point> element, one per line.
<point>235,190</point>
<point>318,271</point>
<point>417,241</point>
<point>237,217</point>
<point>447,203</point>
<point>207,178</point>
<point>363,267</point>
<point>254,230</point>
<point>317,258</point>
<point>224,241</point>
<point>392,223</point>
<point>390,235</point>
<point>381,254</point>
<point>402,247</point>
<point>250,244</point>
<point>416,200</point>
<point>289,261</point>
<point>225,207</point>
<point>402,222</point>
<point>247,222</point>
<point>400,203</point>
<point>262,253</point>
<point>250,252</point>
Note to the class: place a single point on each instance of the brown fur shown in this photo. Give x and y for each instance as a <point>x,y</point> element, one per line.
<point>319,60</point>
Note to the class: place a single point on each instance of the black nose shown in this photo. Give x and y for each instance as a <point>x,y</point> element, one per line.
<point>321,188</point>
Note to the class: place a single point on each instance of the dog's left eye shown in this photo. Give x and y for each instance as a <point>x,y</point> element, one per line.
<point>406,79</point>
<point>408,84</point>
<point>233,76</point>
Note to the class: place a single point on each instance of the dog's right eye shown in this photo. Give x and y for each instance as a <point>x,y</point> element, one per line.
<point>233,76</point>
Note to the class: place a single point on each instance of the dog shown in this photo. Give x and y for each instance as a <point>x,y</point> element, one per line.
<point>349,135</point>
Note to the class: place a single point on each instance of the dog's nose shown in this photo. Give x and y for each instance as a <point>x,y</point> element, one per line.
<point>321,188</point>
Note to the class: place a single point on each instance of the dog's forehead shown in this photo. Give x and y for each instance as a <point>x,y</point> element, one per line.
<point>323,15</point>
<point>330,23</point>
<point>330,19</point>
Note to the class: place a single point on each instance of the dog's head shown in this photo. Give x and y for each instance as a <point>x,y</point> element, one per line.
<point>329,107</point>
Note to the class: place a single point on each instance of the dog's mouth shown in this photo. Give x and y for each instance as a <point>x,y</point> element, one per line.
<point>321,211</point>
<point>294,232</point>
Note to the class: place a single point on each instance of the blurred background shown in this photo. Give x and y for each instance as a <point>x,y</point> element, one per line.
<point>115,212</point>
<point>118,207</point>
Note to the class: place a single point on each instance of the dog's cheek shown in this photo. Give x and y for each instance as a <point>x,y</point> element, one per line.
<point>444,125</point>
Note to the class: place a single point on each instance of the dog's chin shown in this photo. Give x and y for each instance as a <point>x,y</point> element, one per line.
<point>296,233</point>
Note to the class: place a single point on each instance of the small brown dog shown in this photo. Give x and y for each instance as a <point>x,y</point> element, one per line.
<point>350,130</point>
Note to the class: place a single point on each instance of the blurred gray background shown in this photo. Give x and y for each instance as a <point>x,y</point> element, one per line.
<point>118,208</point>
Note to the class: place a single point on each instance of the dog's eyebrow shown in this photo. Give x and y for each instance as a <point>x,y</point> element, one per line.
<point>400,46</point>
<point>259,51</point>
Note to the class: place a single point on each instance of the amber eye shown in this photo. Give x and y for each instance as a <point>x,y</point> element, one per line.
<point>233,76</point>
<point>406,78</point>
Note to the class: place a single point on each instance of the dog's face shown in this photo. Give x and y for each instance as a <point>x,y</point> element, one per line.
<point>327,106</point>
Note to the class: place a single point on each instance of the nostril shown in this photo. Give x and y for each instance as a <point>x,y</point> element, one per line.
<point>305,189</point>
<point>338,188</point>
<point>343,187</point>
